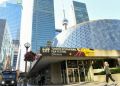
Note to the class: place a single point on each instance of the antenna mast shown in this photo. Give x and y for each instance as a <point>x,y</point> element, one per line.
<point>65,21</point>
<point>63,9</point>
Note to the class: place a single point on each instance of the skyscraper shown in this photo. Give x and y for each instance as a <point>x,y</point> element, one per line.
<point>12,13</point>
<point>78,13</point>
<point>5,46</point>
<point>43,24</point>
<point>12,2</point>
<point>11,10</point>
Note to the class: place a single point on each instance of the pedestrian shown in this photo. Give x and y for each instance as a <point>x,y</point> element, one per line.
<point>108,74</point>
<point>42,80</point>
<point>39,80</point>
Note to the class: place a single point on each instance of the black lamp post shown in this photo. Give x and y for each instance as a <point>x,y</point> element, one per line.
<point>27,45</point>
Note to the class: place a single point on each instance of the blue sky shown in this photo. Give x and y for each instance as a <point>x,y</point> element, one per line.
<point>97,9</point>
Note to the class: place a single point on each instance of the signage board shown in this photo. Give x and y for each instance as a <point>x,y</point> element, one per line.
<point>6,72</point>
<point>38,55</point>
<point>56,51</point>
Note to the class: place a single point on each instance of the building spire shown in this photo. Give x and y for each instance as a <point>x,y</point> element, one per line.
<point>63,9</point>
<point>65,21</point>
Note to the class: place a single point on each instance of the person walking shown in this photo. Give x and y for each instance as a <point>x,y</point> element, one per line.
<point>39,79</point>
<point>108,74</point>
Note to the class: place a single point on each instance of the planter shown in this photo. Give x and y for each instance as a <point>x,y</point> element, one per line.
<point>30,56</point>
<point>103,77</point>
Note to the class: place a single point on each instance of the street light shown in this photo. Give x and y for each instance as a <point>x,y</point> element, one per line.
<point>27,45</point>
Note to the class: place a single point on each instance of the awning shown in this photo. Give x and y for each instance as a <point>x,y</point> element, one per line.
<point>46,60</point>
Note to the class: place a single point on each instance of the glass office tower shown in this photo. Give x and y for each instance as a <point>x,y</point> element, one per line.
<point>11,10</point>
<point>5,45</point>
<point>12,2</point>
<point>78,13</point>
<point>15,1</point>
<point>43,24</point>
<point>12,13</point>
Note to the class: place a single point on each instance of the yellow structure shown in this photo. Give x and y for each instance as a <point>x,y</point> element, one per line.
<point>87,52</point>
<point>0,78</point>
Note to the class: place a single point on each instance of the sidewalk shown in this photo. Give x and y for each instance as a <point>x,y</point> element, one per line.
<point>84,84</point>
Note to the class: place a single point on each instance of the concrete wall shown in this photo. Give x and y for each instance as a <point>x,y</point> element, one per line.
<point>55,73</point>
<point>105,53</point>
<point>116,77</point>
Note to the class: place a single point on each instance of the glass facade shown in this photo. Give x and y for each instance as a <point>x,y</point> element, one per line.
<point>19,59</point>
<point>43,25</point>
<point>80,10</point>
<point>12,13</point>
<point>6,46</point>
<point>11,1</point>
<point>11,10</point>
<point>99,34</point>
<point>15,1</point>
<point>12,55</point>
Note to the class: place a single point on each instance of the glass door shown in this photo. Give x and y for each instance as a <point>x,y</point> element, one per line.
<point>70,75</point>
<point>81,71</point>
<point>84,70</point>
<point>87,72</point>
<point>76,75</point>
<point>73,75</point>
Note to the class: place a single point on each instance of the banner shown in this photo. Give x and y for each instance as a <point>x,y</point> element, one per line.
<point>56,51</point>
<point>88,52</point>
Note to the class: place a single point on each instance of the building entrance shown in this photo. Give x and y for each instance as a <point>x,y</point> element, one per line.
<point>84,70</point>
<point>77,71</point>
<point>73,75</point>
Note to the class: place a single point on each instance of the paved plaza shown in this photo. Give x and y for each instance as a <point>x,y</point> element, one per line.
<point>82,84</point>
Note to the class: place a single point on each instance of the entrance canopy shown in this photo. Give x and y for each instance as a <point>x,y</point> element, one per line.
<point>49,57</point>
<point>44,61</point>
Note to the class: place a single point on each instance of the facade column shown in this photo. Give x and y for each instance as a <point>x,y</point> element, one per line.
<point>56,73</point>
<point>67,73</point>
<point>78,72</point>
<point>63,76</point>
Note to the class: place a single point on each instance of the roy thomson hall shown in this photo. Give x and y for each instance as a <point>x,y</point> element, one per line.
<point>78,53</point>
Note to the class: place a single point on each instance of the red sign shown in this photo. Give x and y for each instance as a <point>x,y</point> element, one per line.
<point>38,53</point>
<point>13,72</point>
<point>6,72</point>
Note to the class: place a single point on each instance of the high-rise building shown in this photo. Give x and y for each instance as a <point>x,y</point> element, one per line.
<point>43,24</point>
<point>19,59</point>
<point>11,10</point>
<point>16,48</point>
<point>78,13</point>
<point>12,13</point>
<point>5,46</point>
<point>11,1</point>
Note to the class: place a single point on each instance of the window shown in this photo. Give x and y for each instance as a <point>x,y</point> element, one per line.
<point>97,64</point>
<point>112,62</point>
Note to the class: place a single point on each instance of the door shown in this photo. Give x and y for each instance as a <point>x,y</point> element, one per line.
<point>84,71</point>
<point>73,75</point>
<point>81,71</point>
<point>70,75</point>
<point>76,75</point>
